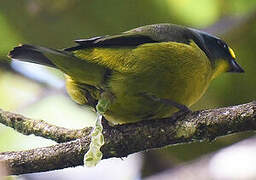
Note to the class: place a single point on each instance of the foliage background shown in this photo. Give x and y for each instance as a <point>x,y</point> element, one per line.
<point>55,24</point>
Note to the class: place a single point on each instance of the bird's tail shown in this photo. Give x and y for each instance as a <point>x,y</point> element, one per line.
<point>79,69</point>
<point>34,54</point>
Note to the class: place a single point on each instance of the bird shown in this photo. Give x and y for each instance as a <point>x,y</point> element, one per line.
<point>146,73</point>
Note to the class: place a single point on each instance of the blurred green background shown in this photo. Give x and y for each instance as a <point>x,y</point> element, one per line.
<point>55,23</point>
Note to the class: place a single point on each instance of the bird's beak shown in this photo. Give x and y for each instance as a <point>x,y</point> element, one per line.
<point>234,67</point>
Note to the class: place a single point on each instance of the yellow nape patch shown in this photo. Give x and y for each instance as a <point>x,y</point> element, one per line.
<point>232,53</point>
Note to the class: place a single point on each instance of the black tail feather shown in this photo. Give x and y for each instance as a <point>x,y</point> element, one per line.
<point>29,53</point>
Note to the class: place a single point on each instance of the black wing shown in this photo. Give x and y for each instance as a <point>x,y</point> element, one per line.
<point>112,41</point>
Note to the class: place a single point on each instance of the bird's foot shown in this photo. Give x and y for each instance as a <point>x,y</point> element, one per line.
<point>181,113</point>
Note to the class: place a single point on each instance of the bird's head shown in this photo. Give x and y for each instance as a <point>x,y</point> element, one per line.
<point>222,57</point>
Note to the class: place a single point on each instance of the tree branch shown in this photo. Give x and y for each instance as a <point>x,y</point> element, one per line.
<point>123,140</point>
<point>41,128</point>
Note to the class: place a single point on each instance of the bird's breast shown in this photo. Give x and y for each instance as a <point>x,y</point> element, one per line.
<point>174,71</point>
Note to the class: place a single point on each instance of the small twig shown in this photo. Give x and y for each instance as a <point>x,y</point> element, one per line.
<point>123,140</point>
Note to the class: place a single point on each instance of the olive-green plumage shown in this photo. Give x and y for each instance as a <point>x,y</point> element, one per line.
<point>165,61</point>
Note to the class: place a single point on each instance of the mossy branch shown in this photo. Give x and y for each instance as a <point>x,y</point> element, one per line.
<point>123,140</point>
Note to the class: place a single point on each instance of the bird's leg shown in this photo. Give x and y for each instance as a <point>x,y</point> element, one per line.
<point>169,102</point>
<point>182,108</point>
<point>94,155</point>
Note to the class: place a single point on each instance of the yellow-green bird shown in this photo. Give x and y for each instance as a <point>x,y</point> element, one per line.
<point>146,73</point>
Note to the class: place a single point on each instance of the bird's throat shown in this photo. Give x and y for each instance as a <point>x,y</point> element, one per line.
<point>221,66</point>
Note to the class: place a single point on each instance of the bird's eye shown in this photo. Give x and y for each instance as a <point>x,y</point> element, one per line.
<point>222,44</point>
